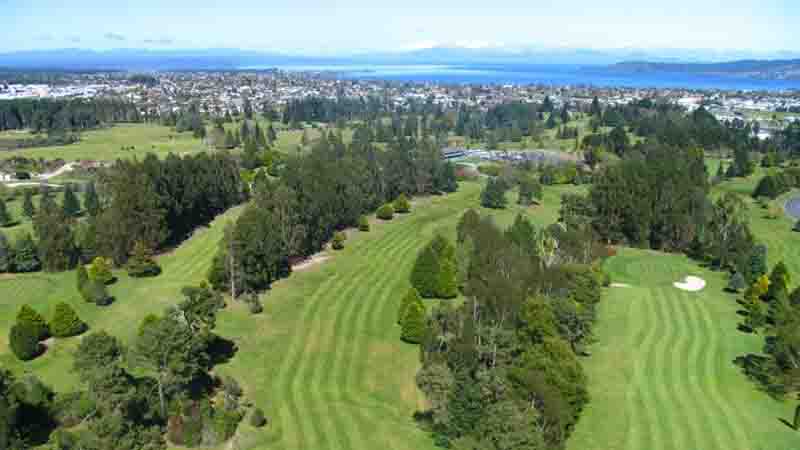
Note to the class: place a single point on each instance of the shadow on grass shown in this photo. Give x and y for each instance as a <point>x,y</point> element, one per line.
<point>787,423</point>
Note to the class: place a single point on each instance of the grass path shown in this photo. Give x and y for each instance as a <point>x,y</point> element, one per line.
<point>662,375</point>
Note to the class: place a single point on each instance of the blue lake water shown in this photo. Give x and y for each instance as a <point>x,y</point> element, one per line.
<point>555,75</point>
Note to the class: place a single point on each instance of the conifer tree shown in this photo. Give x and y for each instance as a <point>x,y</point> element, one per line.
<point>26,257</point>
<point>91,202</point>
<point>82,277</point>
<point>5,215</point>
<point>424,276</point>
<point>28,209</point>
<point>411,298</point>
<point>402,205</point>
<point>494,194</point>
<point>23,342</point>
<point>736,283</point>
<point>71,204</point>
<point>141,264</point>
<point>6,254</point>
<point>66,322</point>
<point>778,281</point>
<point>29,317</point>
<point>413,324</point>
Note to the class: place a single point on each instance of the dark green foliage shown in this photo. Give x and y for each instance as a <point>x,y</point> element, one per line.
<point>467,224</point>
<point>401,204</point>
<point>493,194</point>
<point>55,238</point>
<point>28,209</point>
<point>5,215</point>
<point>58,114</point>
<point>413,324</point>
<point>254,304</point>
<point>141,263</point>
<point>91,201</point>
<point>424,276</point>
<point>530,191</point>
<point>778,282</point>
<point>6,254</point>
<point>796,226</point>
<point>796,421</point>
<point>28,317</point>
<point>385,212</point>
<point>71,205</point>
<point>436,269</point>
<point>66,322</point>
<point>26,257</point>
<point>257,418</point>
<point>338,240</point>
<point>96,292</point>
<point>26,411</point>
<point>363,223</point>
<point>81,277</point>
<point>24,342</point>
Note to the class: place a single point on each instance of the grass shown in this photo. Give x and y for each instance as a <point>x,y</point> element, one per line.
<point>662,376</point>
<point>106,144</point>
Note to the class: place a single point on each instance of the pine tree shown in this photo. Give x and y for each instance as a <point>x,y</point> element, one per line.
<point>28,209</point>
<point>229,140</point>
<point>446,267</point>
<point>402,205</point>
<point>736,283</point>
<point>493,194</point>
<point>66,322</point>
<point>778,281</point>
<point>411,298</point>
<point>141,264</point>
<point>71,204</point>
<point>413,324</point>
<point>424,276</point>
<point>82,277</point>
<point>29,317</point>
<point>26,257</point>
<point>23,342</point>
<point>90,200</point>
<point>6,254</point>
<point>5,215</point>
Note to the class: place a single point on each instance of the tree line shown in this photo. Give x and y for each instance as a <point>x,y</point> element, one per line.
<point>53,115</point>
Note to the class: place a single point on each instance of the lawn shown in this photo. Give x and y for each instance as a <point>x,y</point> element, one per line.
<point>661,374</point>
<point>107,144</point>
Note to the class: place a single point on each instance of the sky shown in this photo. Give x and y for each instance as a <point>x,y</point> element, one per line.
<point>324,27</point>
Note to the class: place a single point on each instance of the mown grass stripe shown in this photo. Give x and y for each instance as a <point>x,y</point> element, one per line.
<point>645,412</point>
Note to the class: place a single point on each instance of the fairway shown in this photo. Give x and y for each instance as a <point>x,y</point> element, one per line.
<point>661,374</point>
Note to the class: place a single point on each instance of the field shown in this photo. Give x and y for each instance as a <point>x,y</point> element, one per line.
<point>107,144</point>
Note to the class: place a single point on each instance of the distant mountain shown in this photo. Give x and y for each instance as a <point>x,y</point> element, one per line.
<point>784,69</point>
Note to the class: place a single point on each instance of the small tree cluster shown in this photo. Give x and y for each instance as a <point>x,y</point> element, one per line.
<point>435,271</point>
<point>66,322</point>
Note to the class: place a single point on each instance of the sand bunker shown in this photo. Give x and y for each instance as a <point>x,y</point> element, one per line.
<point>620,285</point>
<point>691,284</point>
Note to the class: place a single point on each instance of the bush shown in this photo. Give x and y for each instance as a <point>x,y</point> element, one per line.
<point>66,322</point>
<point>95,292</point>
<point>363,223</point>
<point>257,418</point>
<point>338,240</point>
<point>100,270</point>
<point>385,212</point>
<point>82,277</point>
<point>254,305</point>
<point>796,226</point>
<point>29,317</point>
<point>401,204</point>
<point>24,342</point>
<point>141,264</point>
<point>413,324</point>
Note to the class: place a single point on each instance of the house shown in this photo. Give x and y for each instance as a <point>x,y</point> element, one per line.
<point>453,153</point>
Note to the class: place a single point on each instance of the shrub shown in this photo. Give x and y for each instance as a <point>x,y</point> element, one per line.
<point>736,283</point>
<point>100,270</point>
<point>385,212</point>
<point>82,277</point>
<point>26,255</point>
<point>66,322</point>
<point>257,418</point>
<point>414,324</point>
<point>254,304</point>
<point>796,226</point>
<point>411,298</point>
<point>141,264</point>
<point>401,204</point>
<point>338,240</point>
<point>24,342</point>
<point>29,317</point>
<point>363,223</point>
<point>95,291</point>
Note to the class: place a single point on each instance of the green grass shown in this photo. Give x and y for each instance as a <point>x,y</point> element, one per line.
<point>106,144</point>
<point>662,375</point>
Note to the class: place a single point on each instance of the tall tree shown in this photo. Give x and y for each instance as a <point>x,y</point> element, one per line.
<point>71,204</point>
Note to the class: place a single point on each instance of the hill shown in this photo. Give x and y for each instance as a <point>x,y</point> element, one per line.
<point>788,69</point>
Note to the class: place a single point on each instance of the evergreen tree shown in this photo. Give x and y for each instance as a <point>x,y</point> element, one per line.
<point>493,194</point>
<point>82,277</point>
<point>28,209</point>
<point>424,276</point>
<point>26,257</point>
<point>66,322</point>
<point>230,142</point>
<point>736,283</point>
<point>141,263</point>
<point>71,204</point>
<point>90,200</point>
<point>447,277</point>
<point>778,282</point>
<point>6,254</point>
<point>100,270</point>
<point>413,324</point>
<point>402,205</point>
<point>5,215</point>
<point>29,317</point>
<point>411,298</point>
<point>23,342</point>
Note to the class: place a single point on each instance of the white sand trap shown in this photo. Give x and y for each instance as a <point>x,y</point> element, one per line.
<point>620,285</point>
<point>691,284</point>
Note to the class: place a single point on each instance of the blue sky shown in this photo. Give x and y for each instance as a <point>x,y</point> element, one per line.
<point>335,26</point>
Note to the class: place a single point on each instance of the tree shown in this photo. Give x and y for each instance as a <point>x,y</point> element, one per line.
<point>424,275</point>
<point>28,317</point>
<point>736,283</point>
<point>100,270</point>
<point>23,341</point>
<point>141,263</point>
<point>28,209</point>
<point>402,205</point>
<point>363,225</point>
<point>446,267</point>
<point>529,189</point>
<point>91,201</point>
<point>71,205</point>
<point>778,282</point>
<point>6,254</point>
<point>413,324</point>
<point>26,257</point>
<point>385,212</point>
<point>81,277</point>
<point>257,418</point>
<point>66,322</point>
<point>95,291</point>
<point>493,194</point>
<point>176,356</point>
<point>5,215</point>
<point>411,298</point>
<point>338,241</point>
